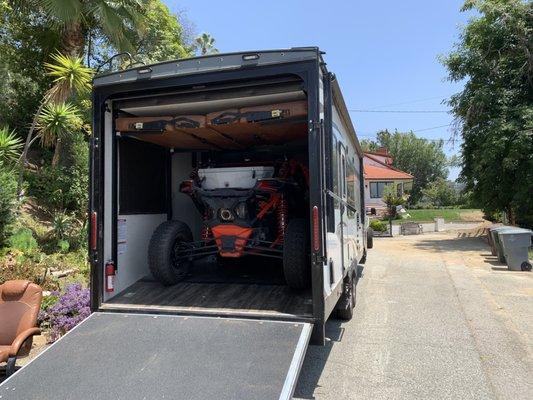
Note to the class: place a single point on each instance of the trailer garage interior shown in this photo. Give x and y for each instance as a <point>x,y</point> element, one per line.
<point>157,142</point>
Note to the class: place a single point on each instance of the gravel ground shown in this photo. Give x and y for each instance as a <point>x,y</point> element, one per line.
<point>437,317</point>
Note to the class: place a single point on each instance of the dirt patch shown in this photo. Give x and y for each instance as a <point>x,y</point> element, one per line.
<point>472,216</point>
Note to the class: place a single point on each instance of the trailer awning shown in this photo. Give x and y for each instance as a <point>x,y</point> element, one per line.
<point>140,356</point>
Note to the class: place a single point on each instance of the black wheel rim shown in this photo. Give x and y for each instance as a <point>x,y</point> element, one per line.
<point>177,258</point>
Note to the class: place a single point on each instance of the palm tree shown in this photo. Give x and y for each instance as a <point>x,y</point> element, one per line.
<point>206,44</point>
<point>10,146</point>
<point>117,19</point>
<point>70,77</point>
<point>55,122</point>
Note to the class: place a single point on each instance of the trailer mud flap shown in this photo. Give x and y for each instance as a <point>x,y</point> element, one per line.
<point>140,356</point>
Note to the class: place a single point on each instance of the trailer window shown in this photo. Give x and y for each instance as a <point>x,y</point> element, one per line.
<point>343,175</point>
<point>335,165</point>
<point>351,180</point>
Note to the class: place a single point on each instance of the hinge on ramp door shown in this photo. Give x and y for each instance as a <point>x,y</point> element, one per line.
<point>319,259</point>
<point>315,125</point>
<point>94,142</point>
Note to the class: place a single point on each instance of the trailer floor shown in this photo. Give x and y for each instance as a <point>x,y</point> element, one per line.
<point>215,297</point>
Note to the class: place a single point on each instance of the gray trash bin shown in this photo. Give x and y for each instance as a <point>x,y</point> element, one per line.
<point>516,243</point>
<point>496,240</point>
<point>493,231</point>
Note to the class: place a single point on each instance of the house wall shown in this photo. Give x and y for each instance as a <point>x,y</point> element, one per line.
<point>377,203</point>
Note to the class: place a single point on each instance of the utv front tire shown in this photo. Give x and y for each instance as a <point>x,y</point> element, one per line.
<point>162,252</point>
<point>296,260</point>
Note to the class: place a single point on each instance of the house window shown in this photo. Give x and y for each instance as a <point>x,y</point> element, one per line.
<point>376,189</point>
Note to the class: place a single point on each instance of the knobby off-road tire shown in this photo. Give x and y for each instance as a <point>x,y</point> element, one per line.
<point>346,303</point>
<point>296,254</point>
<point>161,252</point>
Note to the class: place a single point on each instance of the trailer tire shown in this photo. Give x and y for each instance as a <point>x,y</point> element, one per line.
<point>346,303</point>
<point>296,260</point>
<point>161,257</point>
<point>369,238</point>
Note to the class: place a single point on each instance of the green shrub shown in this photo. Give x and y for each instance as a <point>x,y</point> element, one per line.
<point>63,246</point>
<point>49,301</point>
<point>378,226</point>
<point>67,233</point>
<point>78,235</point>
<point>64,187</point>
<point>60,188</point>
<point>22,239</point>
<point>8,199</point>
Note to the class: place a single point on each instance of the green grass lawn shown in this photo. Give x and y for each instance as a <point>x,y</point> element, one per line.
<point>449,215</point>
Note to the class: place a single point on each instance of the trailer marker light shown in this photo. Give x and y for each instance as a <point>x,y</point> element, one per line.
<point>316,230</point>
<point>93,237</point>
<point>249,57</point>
<point>144,71</point>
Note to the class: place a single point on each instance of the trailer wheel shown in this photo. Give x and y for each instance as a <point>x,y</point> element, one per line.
<point>346,303</point>
<point>369,238</point>
<point>296,262</point>
<point>162,259</point>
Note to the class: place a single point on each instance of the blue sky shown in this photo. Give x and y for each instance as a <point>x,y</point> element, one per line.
<point>384,53</point>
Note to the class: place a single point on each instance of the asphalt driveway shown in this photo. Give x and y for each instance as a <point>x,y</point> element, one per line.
<point>437,318</point>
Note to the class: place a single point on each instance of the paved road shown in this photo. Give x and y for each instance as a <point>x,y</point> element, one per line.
<point>436,318</point>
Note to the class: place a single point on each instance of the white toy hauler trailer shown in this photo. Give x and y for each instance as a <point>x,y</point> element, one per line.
<point>234,323</point>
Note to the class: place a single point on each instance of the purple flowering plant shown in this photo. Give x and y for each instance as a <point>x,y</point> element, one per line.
<point>71,308</point>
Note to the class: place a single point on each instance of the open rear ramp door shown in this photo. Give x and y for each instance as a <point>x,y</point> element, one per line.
<point>138,356</point>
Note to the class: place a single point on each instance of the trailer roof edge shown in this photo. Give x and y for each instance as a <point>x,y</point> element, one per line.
<point>208,63</point>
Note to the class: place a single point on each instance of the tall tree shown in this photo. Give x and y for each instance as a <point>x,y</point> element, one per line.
<point>26,41</point>
<point>71,77</point>
<point>117,19</point>
<point>422,158</point>
<point>163,37</point>
<point>494,112</point>
<point>56,122</point>
<point>205,44</point>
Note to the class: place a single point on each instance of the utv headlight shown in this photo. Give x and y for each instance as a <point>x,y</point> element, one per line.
<point>225,214</point>
<point>242,210</point>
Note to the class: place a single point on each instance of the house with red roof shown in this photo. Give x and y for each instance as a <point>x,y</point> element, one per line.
<point>379,173</point>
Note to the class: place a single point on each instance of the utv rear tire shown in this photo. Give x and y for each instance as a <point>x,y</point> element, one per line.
<point>161,252</point>
<point>296,259</point>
